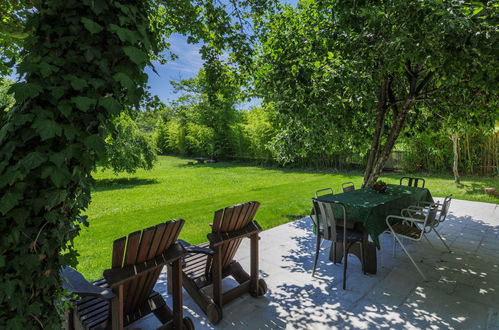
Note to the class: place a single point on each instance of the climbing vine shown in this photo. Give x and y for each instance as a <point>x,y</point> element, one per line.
<point>83,62</point>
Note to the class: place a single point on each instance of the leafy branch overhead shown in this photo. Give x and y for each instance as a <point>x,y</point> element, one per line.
<point>344,72</point>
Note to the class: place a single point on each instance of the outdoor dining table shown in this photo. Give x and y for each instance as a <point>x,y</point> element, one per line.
<point>367,210</point>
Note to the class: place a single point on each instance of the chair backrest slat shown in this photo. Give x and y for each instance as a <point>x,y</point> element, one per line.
<point>118,252</point>
<point>140,247</point>
<point>136,285</point>
<point>347,186</point>
<point>412,182</point>
<point>431,217</point>
<point>318,192</point>
<point>445,208</point>
<point>150,279</point>
<point>230,219</point>
<point>325,216</point>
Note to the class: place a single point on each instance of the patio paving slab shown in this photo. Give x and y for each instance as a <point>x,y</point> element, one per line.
<point>462,291</point>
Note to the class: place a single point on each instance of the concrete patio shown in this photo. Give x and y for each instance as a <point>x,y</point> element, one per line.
<point>462,291</point>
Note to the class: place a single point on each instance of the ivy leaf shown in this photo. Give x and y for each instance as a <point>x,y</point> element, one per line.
<point>65,109</point>
<point>91,26</point>
<point>124,80</point>
<point>23,91</point>
<point>55,197</point>
<point>32,160</point>
<point>8,201</point>
<point>47,69</point>
<point>58,158</point>
<point>46,128</point>
<point>83,103</point>
<point>78,83</point>
<point>95,142</point>
<point>135,54</point>
<point>124,34</point>
<point>110,104</point>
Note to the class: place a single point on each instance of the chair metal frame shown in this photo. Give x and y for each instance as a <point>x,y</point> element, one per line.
<point>412,221</point>
<point>348,186</point>
<point>321,190</point>
<point>412,182</point>
<point>323,213</point>
<point>443,210</point>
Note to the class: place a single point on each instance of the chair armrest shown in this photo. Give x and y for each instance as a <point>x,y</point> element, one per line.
<point>409,212</point>
<point>417,207</point>
<point>397,217</point>
<point>196,249</point>
<point>73,281</point>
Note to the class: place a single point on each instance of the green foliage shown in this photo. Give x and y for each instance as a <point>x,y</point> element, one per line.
<point>340,73</point>
<point>13,31</point>
<point>128,149</point>
<point>431,151</point>
<point>199,140</point>
<point>258,130</point>
<point>52,139</point>
<point>6,99</point>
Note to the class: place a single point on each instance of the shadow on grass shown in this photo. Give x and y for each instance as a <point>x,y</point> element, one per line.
<point>121,183</point>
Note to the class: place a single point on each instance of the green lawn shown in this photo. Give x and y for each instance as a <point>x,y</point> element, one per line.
<point>125,203</point>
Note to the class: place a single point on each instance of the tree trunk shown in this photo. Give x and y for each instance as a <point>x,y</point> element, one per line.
<point>382,108</point>
<point>455,149</point>
<point>380,161</point>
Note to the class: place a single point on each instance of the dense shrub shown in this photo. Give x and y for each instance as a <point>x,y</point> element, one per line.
<point>127,148</point>
<point>199,140</point>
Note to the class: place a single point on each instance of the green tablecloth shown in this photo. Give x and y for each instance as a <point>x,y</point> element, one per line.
<point>371,207</point>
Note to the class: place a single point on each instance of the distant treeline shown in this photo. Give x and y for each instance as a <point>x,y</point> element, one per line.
<point>254,136</point>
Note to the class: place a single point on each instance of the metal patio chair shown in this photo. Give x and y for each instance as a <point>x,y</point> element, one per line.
<point>326,224</point>
<point>347,186</point>
<point>412,182</point>
<point>412,227</point>
<point>318,192</point>
<point>421,210</point>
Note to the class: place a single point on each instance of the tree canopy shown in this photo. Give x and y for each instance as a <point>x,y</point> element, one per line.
<point>341,73</point>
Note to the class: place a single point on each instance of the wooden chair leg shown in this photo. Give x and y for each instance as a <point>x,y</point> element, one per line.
<point>176,280</point>
<point>217,277</point>
<point>254,265</point>
<point>117,316</point>
<point>169,279</point>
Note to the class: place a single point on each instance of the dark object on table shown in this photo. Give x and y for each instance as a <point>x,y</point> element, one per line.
<point>210,267</point>
<point>325,220</point>
<point>379,186</point>
<point>412,182</point>
<point>126,293</point>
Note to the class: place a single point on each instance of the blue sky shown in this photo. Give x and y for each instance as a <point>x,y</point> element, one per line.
<point>185,67</point>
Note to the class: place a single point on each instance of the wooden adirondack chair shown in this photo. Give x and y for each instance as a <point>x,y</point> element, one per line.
<point>230,226</point>
<point>126,293</point>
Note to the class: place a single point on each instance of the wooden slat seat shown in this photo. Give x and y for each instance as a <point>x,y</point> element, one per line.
<point>229,227</point>
<point>126,293</point>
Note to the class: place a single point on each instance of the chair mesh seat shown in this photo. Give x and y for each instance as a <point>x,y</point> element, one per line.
<point>409,231</point>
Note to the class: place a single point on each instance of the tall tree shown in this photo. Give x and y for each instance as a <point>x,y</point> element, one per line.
<point>368,68</point>
<point>83,62</point>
